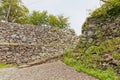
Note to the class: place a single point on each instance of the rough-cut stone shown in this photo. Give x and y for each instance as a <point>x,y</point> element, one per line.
<point>22,44</point>
<point>97,29</point>
<point>94,32</point>
<point>107,57</point>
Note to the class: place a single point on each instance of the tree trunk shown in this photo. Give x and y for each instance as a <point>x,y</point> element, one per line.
<point>8,13</point>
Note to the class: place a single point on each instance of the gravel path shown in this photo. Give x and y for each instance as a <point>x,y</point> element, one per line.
<point>48,71</point>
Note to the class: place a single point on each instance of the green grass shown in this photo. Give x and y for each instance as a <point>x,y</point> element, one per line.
<point>91,55</point>
<point>4,65</point>
<point>109,74</point>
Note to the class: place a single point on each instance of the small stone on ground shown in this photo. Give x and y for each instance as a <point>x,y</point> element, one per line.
<point>48,71</point>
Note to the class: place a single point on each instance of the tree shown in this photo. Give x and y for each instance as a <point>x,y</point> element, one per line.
<point>58,21</point>
<point>44,19</point>
<point>38,18</point>
<point>63,21</point>
<point>53,21</point>
<point>12,10</point>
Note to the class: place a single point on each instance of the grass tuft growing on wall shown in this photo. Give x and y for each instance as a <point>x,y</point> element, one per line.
<point>4,65</point>
<point>88,59</point>
<point>108,74</point>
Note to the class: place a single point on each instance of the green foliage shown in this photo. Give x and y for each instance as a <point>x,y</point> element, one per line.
<point>38,18</point>
<point>89,58</point>
<point>110,9</point>
<point>83,26</point>
<point>58,21</point>
<point>4,65</point>
<point>44,19</point>
<point>12,10</point>
<point>53,21</point>
<point>15,11</point>
<point>116,55</point>
<point>68,53</point>
<point>93,52</point>
<point>108,74</point>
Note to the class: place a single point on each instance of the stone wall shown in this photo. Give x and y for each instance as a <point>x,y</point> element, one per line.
<point>26,43</point>
<point>95,29</point>
<point>99,43</point>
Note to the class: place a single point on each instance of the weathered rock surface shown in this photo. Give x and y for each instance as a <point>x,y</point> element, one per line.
<point>98,29</point>
<point>22,44</point>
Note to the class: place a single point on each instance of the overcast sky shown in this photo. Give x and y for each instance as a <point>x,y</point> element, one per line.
<point>76,10</point>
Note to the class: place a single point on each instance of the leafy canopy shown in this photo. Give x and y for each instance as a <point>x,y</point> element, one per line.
<point>12,10</point>
<point>15,11</point>
<point>58,21</point>
<point>45,19</point>
<point>110,8</point>
<point>37,18</point>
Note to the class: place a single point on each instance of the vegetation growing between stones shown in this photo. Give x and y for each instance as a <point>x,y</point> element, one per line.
<point>4,65</point>
<point>98,50</point>
<point>110,9</point>
<point>92,59</point>
<point>108,74</point>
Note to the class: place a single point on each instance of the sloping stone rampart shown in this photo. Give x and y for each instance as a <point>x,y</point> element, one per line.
<point>21,44</point>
